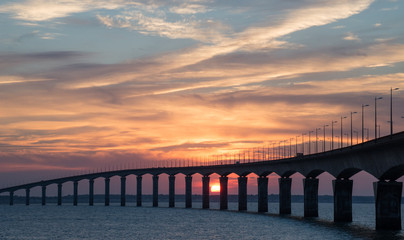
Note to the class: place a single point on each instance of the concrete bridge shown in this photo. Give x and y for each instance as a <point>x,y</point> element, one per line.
<point>382,157</point>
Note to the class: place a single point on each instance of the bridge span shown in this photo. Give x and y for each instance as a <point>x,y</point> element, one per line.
<point>383,158</point>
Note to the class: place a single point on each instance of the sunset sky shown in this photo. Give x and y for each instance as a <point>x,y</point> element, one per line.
<point>87,84</point>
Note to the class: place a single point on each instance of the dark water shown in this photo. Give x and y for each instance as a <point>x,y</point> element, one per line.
<point>130,222</point>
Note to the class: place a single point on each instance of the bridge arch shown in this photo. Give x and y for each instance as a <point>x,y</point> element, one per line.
<point>315,173</point>
<point>348,173</point>
<point>393,173</point>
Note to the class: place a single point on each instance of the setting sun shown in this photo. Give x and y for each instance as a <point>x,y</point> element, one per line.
<point>215,188</point>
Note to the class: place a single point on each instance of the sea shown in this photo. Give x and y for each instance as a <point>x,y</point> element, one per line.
<point>147,222</point>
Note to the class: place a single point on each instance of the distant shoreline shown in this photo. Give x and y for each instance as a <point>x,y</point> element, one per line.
<point>116,198</point>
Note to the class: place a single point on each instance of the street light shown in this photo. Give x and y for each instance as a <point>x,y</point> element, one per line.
<point>324,136</point>
<point>290,147</point>
<point>391,109</point>
<point>342,134</point>
<point>303,142</point>
<point>317,139</point>
<point>363,121</point>
<point>332,134</point>
<point>376,98</point>
<point>296,143</point>
<point>310,142</point>
<point>351,125</point>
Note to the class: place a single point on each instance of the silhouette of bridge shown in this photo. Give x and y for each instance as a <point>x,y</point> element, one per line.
<point>383,158</point>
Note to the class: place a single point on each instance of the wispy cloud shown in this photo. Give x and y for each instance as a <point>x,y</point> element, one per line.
<point>42,10</point>
<point>246,70</point>
<point>351,37</point>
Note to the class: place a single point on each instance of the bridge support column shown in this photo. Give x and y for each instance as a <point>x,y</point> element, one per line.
<point>91,193</point>
<point>188,191</point>
<point>43,195</point>
<point>285,201</point>
<point>342,200</point>
<point>75,190</point>
<point>310,186</point>
<point>155,190</point>
<point>171,191</point>
<point>223,192</point>
<point>242,193</point>
<point>11,198</point>
<point>139,191</point>
<point>107,182</point>
<point>123,191</point>
<point>205,192</point>
<point>388,204</point>
<point>59,194</point>
<point>27,196</point>
<point>262,194</point>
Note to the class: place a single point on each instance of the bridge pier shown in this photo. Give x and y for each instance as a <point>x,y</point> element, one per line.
<point>27,196</point>
<point>123,191</point>
<point>342,200</point>
<point>43,195</point>
<point>59,194</point>
<point>223,192</point>
<point>107,182</point>
<point>91,193</point>
<point>171,191</point>
<point>285,198</point>
<point>139,191</point>
<point>262,194</point>
<point>155,190</point>
<point>242,193</point>
<point>310,186</point>
<point>205,192</point>
<point>188,191</point>
<point>75,190</point>
<point>11,198</point>
<point>388,204</point>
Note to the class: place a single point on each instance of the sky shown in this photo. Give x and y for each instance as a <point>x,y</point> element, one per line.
<point>95,84</point>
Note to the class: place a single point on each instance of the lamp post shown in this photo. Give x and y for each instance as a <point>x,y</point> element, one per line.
<point>310,141</point>
<point>284,152</point>
<point>290,147</point>
<point>342,134</point>
<point>317,139</point>
<point>324,137</point>
<point>376,98</point>
<point>296,143</point>
<point>363,119</point>
<point>332,134</point>
<point>351,125</point>
<point>391,109</point>
<point>303,142</point>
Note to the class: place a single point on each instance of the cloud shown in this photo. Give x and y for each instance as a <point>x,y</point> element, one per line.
<point>200,30</point>
<point>351,37</point>
<point>43,10</point>
<point>235,88</point>
<point>18,79</point>
<point>187,8</point>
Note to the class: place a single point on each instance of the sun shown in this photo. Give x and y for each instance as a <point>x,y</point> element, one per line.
<point>215,188</point>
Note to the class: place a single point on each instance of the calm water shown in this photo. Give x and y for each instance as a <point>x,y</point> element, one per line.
<point>115,222</point>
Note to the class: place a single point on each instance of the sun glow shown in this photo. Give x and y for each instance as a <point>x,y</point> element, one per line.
<point>215,188</point>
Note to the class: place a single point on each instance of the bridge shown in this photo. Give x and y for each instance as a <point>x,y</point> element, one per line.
<point>383,158</point>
